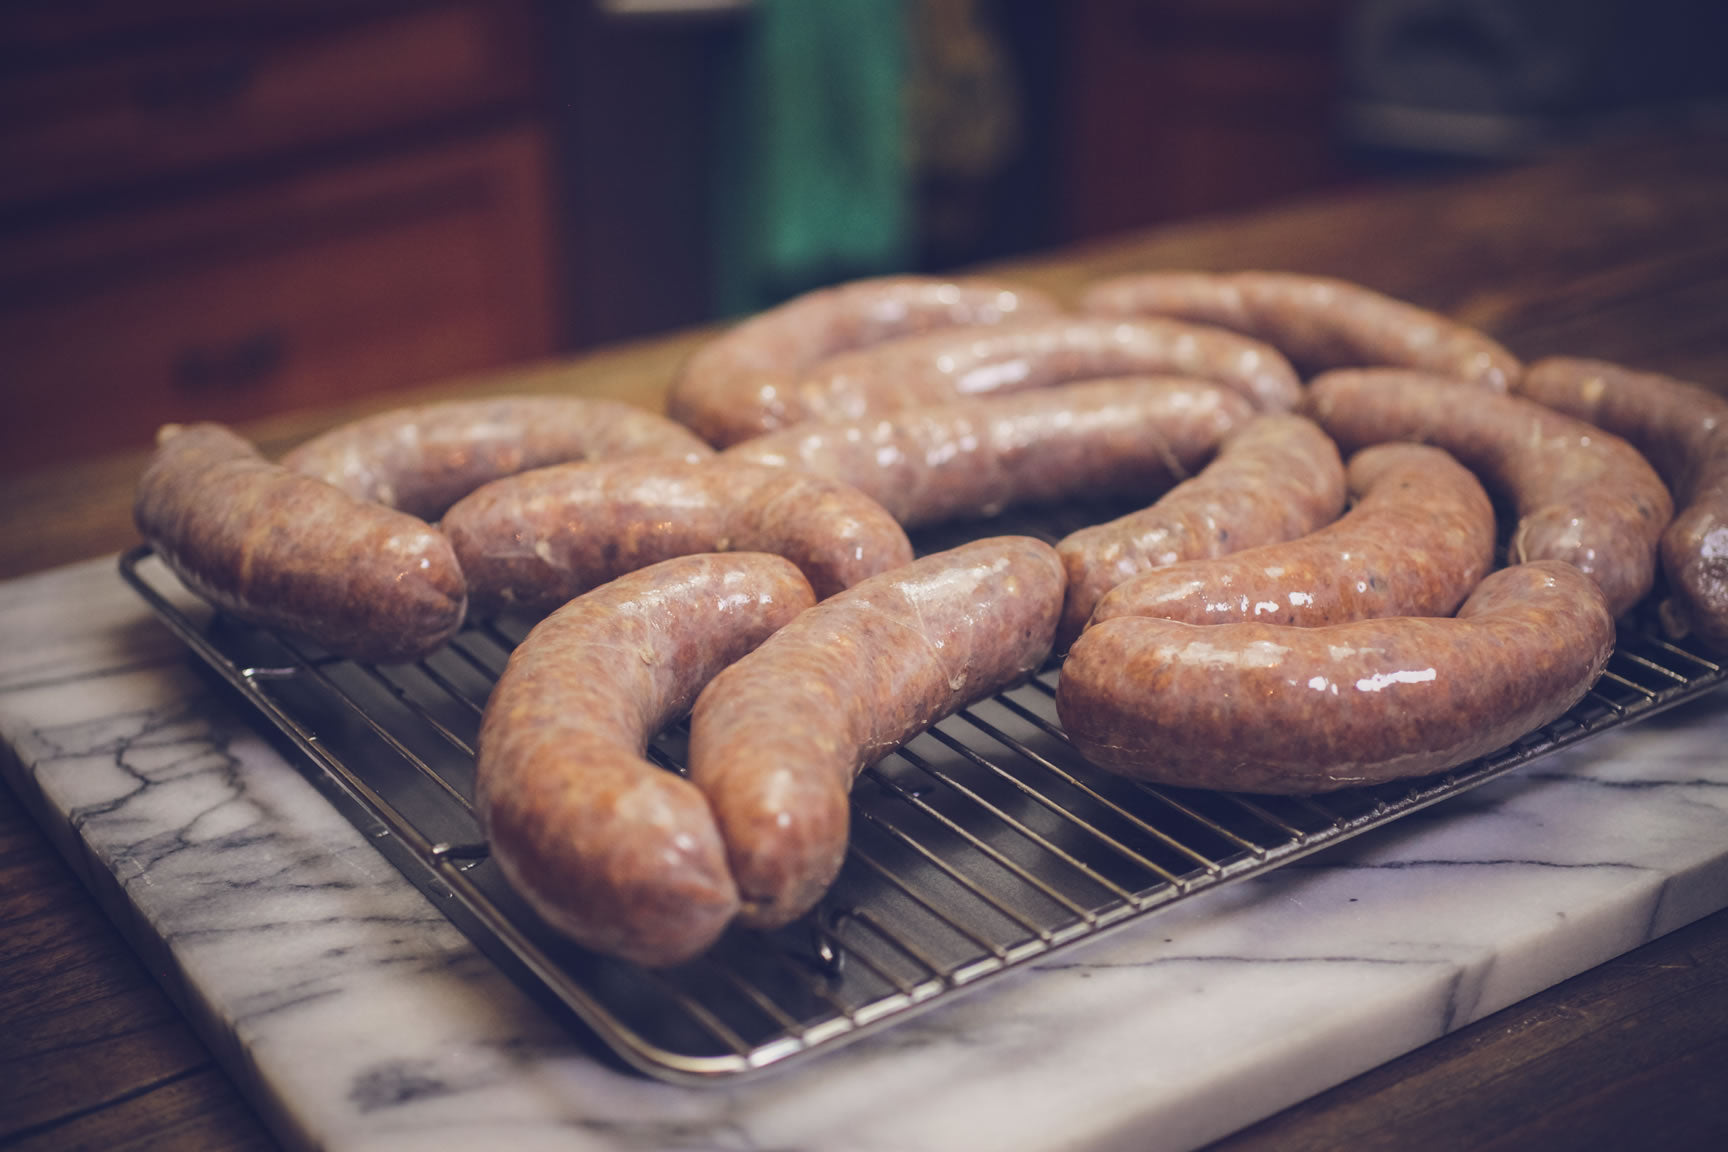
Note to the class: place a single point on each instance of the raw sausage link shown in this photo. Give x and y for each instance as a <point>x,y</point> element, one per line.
<point>290,552</point>
<point>1416,542</point>
<point>1680,428</point>
<point>973,458</point>
<point>738,384</point>
<point>537,539</point>
<point>424,459</point>
<point>1269,708</point>
<point>1669,421</point>
<point>777,739</point>
<point>1580,494</point>
<point>617,853</point>
<point>941,367</point>
<point>1692,554</point>
<point>1277,478</point>
<point>1316,321</point>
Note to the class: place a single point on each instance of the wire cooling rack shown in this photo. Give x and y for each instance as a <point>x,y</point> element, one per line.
<point>983,844</point>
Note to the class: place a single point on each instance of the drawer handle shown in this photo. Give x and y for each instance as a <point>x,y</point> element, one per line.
<point>232,367</point>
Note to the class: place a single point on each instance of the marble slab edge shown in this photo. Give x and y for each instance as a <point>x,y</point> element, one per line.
<point>152,951</point>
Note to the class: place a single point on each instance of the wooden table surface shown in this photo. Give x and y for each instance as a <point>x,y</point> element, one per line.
<point>1619,250</point>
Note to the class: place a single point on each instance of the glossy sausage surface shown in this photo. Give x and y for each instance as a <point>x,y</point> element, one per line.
<point>1682,429</point>
<point>1276,478</point>
<point>1271,708</point>
<point>286,551</point>
<point>424,458</point>
<point>739,384</point>
<point>973,458</point>
<point>1580,494</point>
<point>940,367</point>
<point>536,539</point>
<point>617,853</point>
<point>777,739</point>
<point>1416,541</point>
<point>1318,322</point>
<point>1668,420</point>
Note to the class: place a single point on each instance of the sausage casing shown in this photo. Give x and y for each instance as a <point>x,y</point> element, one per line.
<point>1668,420</point>
<point>738,385</point>
<point>424,458</point>
<point>536,539</point>
<point>1262,707</point>
<point>287,551</point>
<point>1680,429</point>
<point>1276,478</point>
<point>1416,542</point>
<point>1318,322</point>
<point>1695,553</point>
<point>777,739</point>
<point>1580,494</point>
<point>973,458</point>
<point>940,367</point>
<point>615,852</point>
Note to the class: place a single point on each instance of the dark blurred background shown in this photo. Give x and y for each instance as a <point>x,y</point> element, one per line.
<point>230,208</point>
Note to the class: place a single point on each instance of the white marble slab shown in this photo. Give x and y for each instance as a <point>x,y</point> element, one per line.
<point>359,1019</point>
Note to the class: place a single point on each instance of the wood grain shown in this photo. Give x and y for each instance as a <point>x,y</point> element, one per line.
<point>304,291</point>
<point>116,106</point>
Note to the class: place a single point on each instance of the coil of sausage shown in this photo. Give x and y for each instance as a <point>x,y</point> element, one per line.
<point>424,458</point>
<point>1416,541</point>
<point>940,367</point>
<point>1261,707</point>
<point>1318,322</point>
<point>286,551</point>
<point>536,539</point>
<point>617,853</point>
<point>1679,428</point>
<point>1580,494</point>
<point>739,384</point>
<point>777,739</point>
<point>973,458</point>
<point>1276,478</point>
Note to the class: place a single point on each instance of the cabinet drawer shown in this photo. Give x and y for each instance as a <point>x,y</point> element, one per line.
<point>294,294</point>
<point>109,112</point>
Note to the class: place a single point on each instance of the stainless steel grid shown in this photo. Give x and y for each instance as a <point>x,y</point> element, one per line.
<point>985,843</point>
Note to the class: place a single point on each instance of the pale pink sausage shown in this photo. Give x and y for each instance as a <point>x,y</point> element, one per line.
<point>615,852</point>
<point>534,540</point>
<point>1580,494</point>
<point>424,458</point>
<point>738,384</point>
<point>973,458</point>
<point>940,367</point>
<point>1682,429</point>
<point>1261,707</point>
<point>777,739</point>
<point>1416,541</point>
<point>287,551</point>
<point>1319,322</point>
<point>1276,478</point>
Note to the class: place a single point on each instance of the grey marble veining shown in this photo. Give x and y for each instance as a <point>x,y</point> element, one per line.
<point>362,1020</point>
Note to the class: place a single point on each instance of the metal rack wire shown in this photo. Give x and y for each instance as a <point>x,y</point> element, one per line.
<point>983,844</point>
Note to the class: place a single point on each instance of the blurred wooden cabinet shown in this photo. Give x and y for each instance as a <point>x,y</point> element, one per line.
<point>220,210</point>
<point>1177,108</point>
